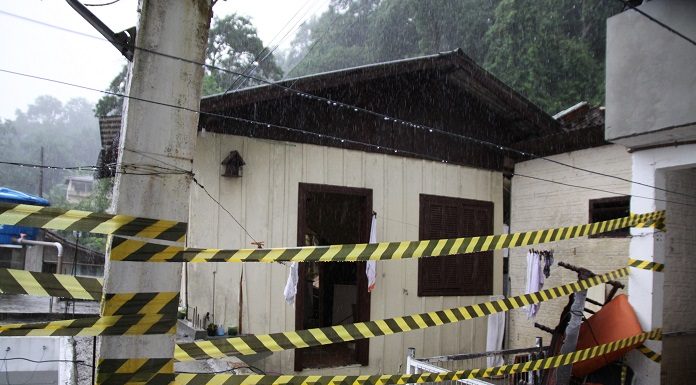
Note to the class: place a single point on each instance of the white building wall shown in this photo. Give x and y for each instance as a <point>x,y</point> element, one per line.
<point>265,200</point>
<point>679,313</point>
<point>652,294</point>
<point>539,205</point>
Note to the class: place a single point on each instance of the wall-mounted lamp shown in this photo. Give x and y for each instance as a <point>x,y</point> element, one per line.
<point>233,164</point>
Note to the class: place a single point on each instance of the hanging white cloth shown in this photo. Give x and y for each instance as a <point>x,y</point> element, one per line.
<point>535,280</point>
<point>371,266</point>
<point>494,337</point>
<point>291,286</point>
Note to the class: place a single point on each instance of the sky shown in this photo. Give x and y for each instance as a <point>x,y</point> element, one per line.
<point>51,53</point>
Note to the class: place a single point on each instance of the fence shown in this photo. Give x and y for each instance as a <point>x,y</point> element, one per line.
<point>451,363</point>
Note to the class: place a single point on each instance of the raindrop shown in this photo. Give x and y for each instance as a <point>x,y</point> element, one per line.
<point>386,118</point>
<point>334,104</point>
<point>268,125</point>
<point>343,140</point>
<point>430,130</point>
<point>355,109</point>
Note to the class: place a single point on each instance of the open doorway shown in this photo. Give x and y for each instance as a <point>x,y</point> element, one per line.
<point>332,293</point>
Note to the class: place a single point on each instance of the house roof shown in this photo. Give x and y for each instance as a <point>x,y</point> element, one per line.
<point>446,91</point>
<point>583,127</point>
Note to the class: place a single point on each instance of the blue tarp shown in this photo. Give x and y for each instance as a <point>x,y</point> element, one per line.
<point>13,196</point>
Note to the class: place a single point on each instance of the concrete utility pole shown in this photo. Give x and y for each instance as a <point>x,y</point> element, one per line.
<point>157,135</point>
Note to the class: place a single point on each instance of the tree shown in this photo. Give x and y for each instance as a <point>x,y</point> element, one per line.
<point>110,105</point>
<point>68,132</point>
<point>233,44</point>
<point>550,50</point>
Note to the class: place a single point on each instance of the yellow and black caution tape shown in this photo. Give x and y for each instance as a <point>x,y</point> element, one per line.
<point>646,265</point>
<point>340,333</point>
<point>77,220</point>
<point>387,379</point>
<point>132,324</point>
<point>140,303</point>
<point>652,355</point>
<point>132,371</point>
<point>131,250</point>
<point>49,285</point>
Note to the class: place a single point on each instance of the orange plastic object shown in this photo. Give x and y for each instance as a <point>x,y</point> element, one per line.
<point>614,321</point>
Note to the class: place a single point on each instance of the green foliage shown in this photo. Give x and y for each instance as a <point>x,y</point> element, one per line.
<point>110,104</point>
<point>68,132</point>
<point>233,44</point>
<point>552,51</point>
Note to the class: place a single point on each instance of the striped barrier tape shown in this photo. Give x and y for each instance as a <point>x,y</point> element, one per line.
<point>140,303</point>
<point>275,342</point>
<point>650,354</point>
<point>49,285</point>
<point>133,324</point>
<point>387,379</point>
<point>131,250</point>
<point>132,371</point>
<point>646,265</point>
<point>77,220</point>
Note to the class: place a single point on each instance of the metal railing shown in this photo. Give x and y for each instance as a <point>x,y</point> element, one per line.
<point>456,362</point>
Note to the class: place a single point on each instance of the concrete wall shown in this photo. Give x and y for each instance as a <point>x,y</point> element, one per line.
<point>538,205</point>
<point>650,77</point>
<point>265,200</point>
<point>679,312</point>
<point>648,291</point>
<point>19,370</point>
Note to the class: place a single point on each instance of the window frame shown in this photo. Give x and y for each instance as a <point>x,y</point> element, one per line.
<point>620,233</point>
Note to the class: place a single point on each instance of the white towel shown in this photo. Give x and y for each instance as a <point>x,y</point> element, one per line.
<point>291,286</point>
<point>535,280</point>
<point>494,338</point>
<point>371,266</point>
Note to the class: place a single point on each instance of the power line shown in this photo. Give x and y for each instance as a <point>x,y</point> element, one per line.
<point>658,22</point>
<point>257,62</point>
<point>385,117</point>
<point>225,209</point>
<point>600,190</point>
<point>269,125</point>
<point>102,4</point>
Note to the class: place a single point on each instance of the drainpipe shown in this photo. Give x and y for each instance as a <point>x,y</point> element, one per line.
<point>59,264</point>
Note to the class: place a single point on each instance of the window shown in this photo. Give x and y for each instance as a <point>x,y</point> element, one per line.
<point>610,208</point>
<point>456,275</point>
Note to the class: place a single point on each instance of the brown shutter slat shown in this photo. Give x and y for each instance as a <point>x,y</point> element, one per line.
<point>459,275</point>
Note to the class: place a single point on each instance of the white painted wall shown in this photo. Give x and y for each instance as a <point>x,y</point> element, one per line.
<point>265,200</point>
<point>650,77</point>
<point>649,293</point>
<point>17,368</point>
<point>538,205</point>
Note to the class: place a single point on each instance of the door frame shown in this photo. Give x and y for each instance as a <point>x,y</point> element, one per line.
<point>363,297</point>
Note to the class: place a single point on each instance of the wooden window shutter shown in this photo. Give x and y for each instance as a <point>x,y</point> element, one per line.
<point>457,275</point>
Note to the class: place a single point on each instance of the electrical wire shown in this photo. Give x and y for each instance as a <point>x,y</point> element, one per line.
<point>102,4</point>
<point>355,108</point>
<point>658,22</point>
<point>601,190</point>
<point>269,125</point>
<point>223,207</point>
<point>257,62</point>
<point>78,362</point>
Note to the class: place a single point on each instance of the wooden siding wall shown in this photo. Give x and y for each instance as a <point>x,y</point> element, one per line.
<point>265,200</point>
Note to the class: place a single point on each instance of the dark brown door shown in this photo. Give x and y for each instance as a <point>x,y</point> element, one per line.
<point>332,293</point>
